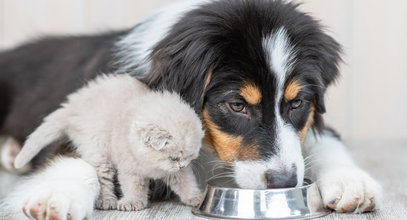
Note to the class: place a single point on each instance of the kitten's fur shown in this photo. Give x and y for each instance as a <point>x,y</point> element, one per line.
<point>140,133</point>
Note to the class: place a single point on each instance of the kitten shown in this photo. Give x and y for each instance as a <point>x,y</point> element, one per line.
<point>117,124</point>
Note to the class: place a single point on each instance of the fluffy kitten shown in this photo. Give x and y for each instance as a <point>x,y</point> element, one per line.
<point>139,133</point>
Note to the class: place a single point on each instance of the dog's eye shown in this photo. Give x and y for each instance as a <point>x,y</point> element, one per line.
<point>238,107</point>
<point>296,104</point>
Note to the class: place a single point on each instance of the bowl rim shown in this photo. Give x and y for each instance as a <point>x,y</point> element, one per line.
<point>306,185</point>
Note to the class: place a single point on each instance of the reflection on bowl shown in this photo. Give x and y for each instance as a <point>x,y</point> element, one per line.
<point>289,203</point>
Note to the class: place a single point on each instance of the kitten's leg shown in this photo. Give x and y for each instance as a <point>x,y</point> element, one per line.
<point>94,151</point>
<point>184,184</point>
<point>66,189</point>
<point>8,153</point>
<point>344,186</point>
<point>135,192</point>
<point>107,199</point>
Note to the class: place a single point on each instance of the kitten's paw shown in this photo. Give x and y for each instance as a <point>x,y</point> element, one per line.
<point>106,203</point>
<point>52,205</point>
<point>8,153</point>
<point>349,190</point>
<point>193,201</point>
<point>131,204</point>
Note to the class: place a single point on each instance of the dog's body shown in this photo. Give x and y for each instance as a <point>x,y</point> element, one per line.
<point>255,70</point>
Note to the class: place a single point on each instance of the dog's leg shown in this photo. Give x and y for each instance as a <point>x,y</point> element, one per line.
<point>67,189</point>
<point>343,185</point>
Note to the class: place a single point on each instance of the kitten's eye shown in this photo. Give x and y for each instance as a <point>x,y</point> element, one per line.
<point>238,107</point>
<point>296,104</point>
<point>175,159</point>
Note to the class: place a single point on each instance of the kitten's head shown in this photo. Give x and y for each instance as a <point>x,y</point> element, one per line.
<point>169,133</point>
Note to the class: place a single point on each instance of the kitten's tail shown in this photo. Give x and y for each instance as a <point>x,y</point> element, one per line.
<point>49,131</point>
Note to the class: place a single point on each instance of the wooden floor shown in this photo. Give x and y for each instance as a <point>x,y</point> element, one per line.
<point>386,161</point>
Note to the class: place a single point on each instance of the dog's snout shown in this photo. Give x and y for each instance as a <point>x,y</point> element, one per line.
<point>281,179</point>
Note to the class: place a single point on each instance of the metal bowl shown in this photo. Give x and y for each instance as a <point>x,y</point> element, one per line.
<point>288,203</point>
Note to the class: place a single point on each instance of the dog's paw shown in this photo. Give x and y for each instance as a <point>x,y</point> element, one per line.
<point>125,204</point>
<point>349,190</point>
<point>8,153</point>
<point>66,189</point>
<point>193,201</point>
<point>52,205</point>
<point>106,203</point>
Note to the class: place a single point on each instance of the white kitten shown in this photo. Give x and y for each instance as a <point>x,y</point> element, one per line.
<point>117,123</point>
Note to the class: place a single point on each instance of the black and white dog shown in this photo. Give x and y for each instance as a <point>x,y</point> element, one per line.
<point>255,70</point>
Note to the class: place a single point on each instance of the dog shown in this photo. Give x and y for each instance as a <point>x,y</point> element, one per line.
<point>256,71</point>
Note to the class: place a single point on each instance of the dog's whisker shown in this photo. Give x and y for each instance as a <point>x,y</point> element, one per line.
<point>310,156</point>
<point>224,174</point>
<point>219,177</point>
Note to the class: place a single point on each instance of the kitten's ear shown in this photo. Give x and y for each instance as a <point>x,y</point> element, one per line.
<point>154,136</point>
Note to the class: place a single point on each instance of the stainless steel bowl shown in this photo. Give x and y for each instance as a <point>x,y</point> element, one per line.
<point>289,203</point>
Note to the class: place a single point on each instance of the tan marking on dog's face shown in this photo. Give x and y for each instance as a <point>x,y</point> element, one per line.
<point>226,146</point>
<point>304,131</point>
<point>251,93</point>
<point>292,90</point>
<point>229,148</point>
<point>249,153</point>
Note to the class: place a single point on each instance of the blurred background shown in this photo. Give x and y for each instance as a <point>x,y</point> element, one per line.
<point>369,102</point>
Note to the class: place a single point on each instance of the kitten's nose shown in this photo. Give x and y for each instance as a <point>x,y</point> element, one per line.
<point>281,179</point>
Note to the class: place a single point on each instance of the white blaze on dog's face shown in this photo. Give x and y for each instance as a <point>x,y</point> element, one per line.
<point>272,161</point>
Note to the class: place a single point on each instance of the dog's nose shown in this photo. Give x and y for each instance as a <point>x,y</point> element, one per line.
<point>282,179</point>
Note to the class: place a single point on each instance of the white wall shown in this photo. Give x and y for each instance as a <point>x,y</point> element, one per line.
<point>370,100</point>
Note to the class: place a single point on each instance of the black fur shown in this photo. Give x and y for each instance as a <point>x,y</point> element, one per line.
<point>225,38</point>
<point>35,78</point>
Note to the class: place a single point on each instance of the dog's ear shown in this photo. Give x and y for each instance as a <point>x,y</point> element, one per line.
<point>184,61</point>
<point>182,73</point>
<point>329,58</point>
<point>320,101</point>
<point>153,136</point>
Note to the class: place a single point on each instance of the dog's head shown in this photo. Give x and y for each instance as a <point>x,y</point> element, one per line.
<point>256,72</point>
